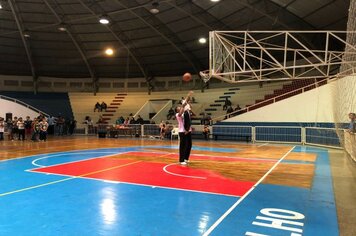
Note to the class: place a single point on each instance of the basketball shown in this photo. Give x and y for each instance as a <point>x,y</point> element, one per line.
<point>187,77</point>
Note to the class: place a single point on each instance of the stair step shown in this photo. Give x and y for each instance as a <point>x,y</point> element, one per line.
<point>227,96</point>
<point>115,103</point>
<point>113,111</point>
<point>108,114</point>
<point>215,105</point>
<point>219,100</point>
<point>117,100</point>
<point>113,107</point>
<point>226,93</point>
<point>211,109</point>
<point>121,94</point>
<point>106,118</point>
<point>233,89</point>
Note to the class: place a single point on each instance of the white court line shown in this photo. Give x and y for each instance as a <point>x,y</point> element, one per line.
<point>69,151</point>
<point>75,153</point>
<point>186,176</point>
<point>66,179</point>
<point>244,196</point>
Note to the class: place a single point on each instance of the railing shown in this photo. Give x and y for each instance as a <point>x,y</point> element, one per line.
<point>350,144</point>
<point>325,137</point>
<point>23,104</point>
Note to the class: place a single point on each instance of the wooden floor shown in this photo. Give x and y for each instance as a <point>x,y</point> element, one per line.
<point>248,162</point>
<point>300,175</point>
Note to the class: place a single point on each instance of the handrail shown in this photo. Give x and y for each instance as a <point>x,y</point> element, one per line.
<point>23,104</point>
<point>302,89</point>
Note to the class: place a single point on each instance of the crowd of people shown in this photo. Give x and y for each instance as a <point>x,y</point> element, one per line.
<point>35,129</point>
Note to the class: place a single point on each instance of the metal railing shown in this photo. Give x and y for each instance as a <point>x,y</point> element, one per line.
<point>325,137</point>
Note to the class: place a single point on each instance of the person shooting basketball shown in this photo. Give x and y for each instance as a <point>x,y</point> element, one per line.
<point>183,117</point>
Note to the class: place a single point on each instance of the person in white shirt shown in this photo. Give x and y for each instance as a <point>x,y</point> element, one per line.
<point>21,128</point>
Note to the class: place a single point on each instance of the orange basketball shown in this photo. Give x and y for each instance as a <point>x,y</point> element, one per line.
<point>187,77</point>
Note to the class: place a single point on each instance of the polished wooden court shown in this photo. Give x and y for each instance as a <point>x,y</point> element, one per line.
<point>225,183</point>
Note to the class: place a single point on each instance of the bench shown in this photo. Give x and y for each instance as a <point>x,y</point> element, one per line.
<point>245,137</point>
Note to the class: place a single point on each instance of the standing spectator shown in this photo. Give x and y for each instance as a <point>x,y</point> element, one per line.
<point>9,127</point>
<point>43,130</point>
<point>28,127</point>
<point>21,129</point>
<point>35,129</point>
<point>72,126</point>
<point>2,128</point>
<point>51,124</point>
<point>352,124</point>
<point>15,130</point>
<point>60,125</point>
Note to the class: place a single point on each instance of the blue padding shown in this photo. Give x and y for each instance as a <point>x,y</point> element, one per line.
<point>299,124</point>
<point>51,103</point>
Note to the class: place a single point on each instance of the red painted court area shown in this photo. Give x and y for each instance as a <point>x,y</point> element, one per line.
<point>151,174</point>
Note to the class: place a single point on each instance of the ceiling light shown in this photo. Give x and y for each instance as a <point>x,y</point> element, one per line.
<point>154,9</point>
<point>0,6</point>
<point>109,51</point>
<point>62,28</point>
<point>104,20</point>
<point>215,0</point>
<point>26,35</point>
<point>202,40</point>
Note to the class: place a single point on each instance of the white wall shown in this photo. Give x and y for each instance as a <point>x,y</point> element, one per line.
<point>312,106</point>
<point>16,109</point>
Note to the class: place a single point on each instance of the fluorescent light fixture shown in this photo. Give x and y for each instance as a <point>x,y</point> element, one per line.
<point>215,0</point>
<point>62,28</point>
<point>202,40</point>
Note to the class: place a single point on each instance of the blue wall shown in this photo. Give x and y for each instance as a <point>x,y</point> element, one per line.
<point>51,103</point>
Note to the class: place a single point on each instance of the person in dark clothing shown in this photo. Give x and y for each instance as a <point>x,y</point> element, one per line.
<point>183,117</point>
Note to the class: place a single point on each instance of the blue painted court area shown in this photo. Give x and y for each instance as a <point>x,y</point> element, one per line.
<point>45,204</point>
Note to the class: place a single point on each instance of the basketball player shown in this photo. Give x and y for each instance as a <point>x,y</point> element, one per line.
<point>183,117</point>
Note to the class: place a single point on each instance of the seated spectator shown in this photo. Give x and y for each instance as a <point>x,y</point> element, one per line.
<point>228,111</point>
<point>162,130</point>
<point>206,132</point>
<point>139,120</point>
<point>103,106</point>
<point>97,107</point>
<point>352,124</point>
<point>226,104</point>
<point>100,120</point>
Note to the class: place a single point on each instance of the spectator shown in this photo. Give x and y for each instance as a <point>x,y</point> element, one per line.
<point>51,124</point>
<point>28,127</point>
<point>9,127</point>
<point>2,128</point>
<point>226,104</point>
<point>103,106</point>
<point>97,107</point>
<point>228,111</point>
<point>43,129</point>
<point>72,126</point>
<point>139,120</point>
<point>21,128</point>
<point>352,124</point>
<point>206,132</point>
<point>35,129</point>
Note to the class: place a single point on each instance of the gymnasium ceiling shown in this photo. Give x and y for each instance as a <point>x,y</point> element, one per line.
<point>145,44</point>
